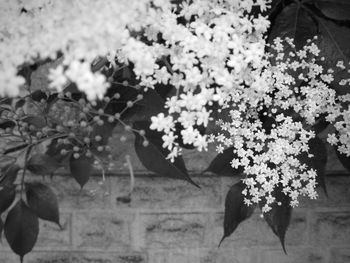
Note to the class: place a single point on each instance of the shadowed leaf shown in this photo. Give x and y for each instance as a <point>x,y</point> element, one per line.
<point>294,22</point>
<point>334,46</point>
<point>42,164</point>
<point>345,160</point>
<point>21,229</point>
<point>236,211</point>
<point>81,169</point>
<point>335,9</point>
<point>43,201</point>
<point>221,165</point>
<point>7,196</point>
<point>278,218</point>
<point>153,156</point>
<point>9,174</point>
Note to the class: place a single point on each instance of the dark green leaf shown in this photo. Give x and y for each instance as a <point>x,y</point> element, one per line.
<point>318,162</point>
<point>345,160</point>
<point>294,22</point>
<point>38,95</point>
<point>42,164</point>
<point>36,121</point>
<point>7,196</point>
<point>221,164</point>
<point>278,218</point>
<point>20,103</point>
<point>153,156</point>
<point>236,211</point>
<point>334,46</point>
<point>43,201</point>
<point>4,124</point>
<point>1,228</point>
<point>21,229</point>
<point>81,169</point>
<point>320,125</point>
<point>335,9</point>
<point>151,104</point>
<point>9,174</point>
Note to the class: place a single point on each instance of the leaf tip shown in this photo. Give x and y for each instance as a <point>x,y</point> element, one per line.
<point>222,239</point>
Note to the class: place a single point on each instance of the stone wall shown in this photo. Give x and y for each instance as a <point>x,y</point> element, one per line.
<point>171,221</point>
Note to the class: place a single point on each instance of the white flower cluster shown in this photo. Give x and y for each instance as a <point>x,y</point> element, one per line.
<point>214,53</point>
<point>81,31</point>
<point>216,49</point>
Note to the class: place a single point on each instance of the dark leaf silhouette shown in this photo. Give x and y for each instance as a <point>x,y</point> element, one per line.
<point>153,156</point>
<point>81,169</point>
<point>221,164</point>
<point>318,161</point>
<point>9,174</point>
<point>1,228</point>
<point>334,46</point>
<point>36,121</point>
<point>4,124</point>
<point>278,218</point>
<point>43,201</point>
<point>345,160</point>
<point>294,22</point>
<point>21,229</point>
<point>236,211</point>
<point>42,164</point>
<point>7,196</point>
<point>38,95</point>
<point>335,9</point>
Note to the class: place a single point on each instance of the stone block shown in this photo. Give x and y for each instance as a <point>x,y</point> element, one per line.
<point>151,192</point>
<point>105,231</point>
<point>94,194</point>
<point>340,255</point>
<point>330,228</point>
<point>182,255</point>
<point>232,255</point>
<point>302,255</point>
<point>8,257</point>
<point>85,257</point>
<point>51,236</point>
<point>174,230</point>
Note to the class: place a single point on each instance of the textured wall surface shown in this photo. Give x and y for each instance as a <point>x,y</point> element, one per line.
<point>171,221</point>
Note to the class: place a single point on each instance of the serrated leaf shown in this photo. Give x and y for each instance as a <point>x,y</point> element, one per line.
<point>236,211</point>
<point>221,165</point>
<point>21,229</point>
<point>81,169</point>
<point>318,161</point>
<point>42,164</point>
<point>294,22</point>
<point>7,196</point>
<point>9,174</point>
<point>153,157</point>
<point>43,201</point>
<point>335,9</point>
<point>278,218</point>
<point>345,160</point>
<point>334,45</point>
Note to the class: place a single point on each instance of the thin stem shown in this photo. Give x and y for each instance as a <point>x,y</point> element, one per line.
<point>25,168</point>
